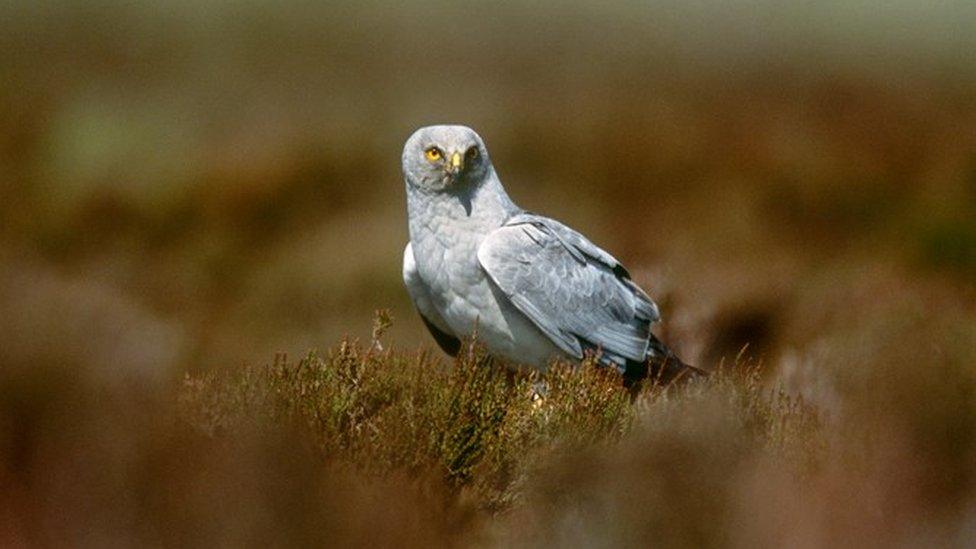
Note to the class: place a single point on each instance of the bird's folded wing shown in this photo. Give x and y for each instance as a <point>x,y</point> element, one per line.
<point>574,292</point>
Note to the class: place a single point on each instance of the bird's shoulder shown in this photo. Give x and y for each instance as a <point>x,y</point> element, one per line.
<point>529,248</point>
<point>572,241</point>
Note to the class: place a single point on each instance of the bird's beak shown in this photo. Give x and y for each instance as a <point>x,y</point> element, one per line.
<point>457,163</point>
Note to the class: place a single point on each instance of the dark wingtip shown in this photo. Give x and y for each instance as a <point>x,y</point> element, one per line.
<point>662,366</point>
<point>621,271</point>
<point>448,343</point>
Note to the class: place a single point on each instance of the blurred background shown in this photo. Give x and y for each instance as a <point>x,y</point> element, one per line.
<point>194,184</point>
<point>191,185</point>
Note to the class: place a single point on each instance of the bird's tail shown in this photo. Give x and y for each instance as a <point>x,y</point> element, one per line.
<point>661,366</point>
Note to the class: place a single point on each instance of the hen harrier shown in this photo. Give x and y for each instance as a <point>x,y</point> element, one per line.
<point>533,288</point>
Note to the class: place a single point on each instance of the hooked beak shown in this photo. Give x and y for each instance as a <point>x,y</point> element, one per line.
<point>457,163</point>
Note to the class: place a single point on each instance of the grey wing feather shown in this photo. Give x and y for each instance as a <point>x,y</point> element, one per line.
<point>582,249</point>
<point>577,294</point>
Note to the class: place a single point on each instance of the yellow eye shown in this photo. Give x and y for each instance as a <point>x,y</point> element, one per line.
<point>472,152</point>
<point>433,154</point>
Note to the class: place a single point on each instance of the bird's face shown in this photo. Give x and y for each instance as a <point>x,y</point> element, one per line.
<point>444,158</point>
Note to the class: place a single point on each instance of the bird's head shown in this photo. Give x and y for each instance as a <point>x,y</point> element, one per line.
<point>444,158</point>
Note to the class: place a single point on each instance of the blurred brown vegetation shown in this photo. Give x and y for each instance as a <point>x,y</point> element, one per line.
<point>192,186</point>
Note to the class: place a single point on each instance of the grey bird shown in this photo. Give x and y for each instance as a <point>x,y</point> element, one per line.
<point>533,289</point>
